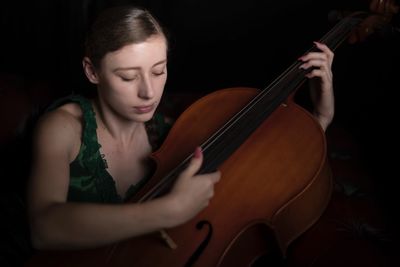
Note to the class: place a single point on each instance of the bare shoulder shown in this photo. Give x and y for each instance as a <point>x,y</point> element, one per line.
<point>60,129</point>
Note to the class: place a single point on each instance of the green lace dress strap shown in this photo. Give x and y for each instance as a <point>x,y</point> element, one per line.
<point>89,179</point>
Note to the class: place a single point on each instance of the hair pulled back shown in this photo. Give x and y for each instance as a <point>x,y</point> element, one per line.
<point>119,26</point>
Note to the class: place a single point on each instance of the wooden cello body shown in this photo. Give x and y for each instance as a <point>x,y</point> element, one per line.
<point>277,181</point>
<point>278,178</point>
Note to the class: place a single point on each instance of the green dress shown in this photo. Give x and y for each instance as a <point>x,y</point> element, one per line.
<point>89,179</point>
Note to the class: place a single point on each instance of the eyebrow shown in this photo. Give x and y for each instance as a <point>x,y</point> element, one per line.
<point>137,68</point>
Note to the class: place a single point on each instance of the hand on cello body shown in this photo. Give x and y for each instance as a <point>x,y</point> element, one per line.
<point>192,192</point>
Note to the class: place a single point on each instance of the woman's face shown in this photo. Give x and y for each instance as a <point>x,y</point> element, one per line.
<point>131,80</point>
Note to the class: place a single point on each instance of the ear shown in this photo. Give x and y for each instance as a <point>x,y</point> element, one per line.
<point>90,70</point>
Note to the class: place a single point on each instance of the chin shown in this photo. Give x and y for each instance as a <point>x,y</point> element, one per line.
<point>143,117</point>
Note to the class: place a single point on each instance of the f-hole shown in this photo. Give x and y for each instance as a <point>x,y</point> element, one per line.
<point>195,256</point>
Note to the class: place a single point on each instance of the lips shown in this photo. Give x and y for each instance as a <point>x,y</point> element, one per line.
<point>144,109</point>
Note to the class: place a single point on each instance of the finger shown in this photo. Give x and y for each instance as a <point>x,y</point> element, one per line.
<point>317,63</point>
<point>318,73</point>
<point>314,55</point>
<point>216,177</point>
<point>325,53</point>
<point>195,163</point>
<point>213,177</point>
<point>321,46</point>
<point>324,48</point>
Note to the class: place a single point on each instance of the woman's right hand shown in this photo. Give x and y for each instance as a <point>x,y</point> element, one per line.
<point>192,193</point>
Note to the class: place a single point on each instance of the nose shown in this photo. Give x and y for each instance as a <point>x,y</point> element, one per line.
<point>146,90</point>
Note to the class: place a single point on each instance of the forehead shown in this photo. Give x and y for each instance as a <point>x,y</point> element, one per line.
<point>144,54</point>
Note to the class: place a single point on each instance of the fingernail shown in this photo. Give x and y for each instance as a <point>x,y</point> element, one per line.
<point>197,152</point>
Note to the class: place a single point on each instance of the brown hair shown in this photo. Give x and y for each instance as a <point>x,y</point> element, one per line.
<point>119,26</point>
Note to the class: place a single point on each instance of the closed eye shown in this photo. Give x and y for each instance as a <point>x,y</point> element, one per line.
<point>158,73</point>
<point>128,79</point>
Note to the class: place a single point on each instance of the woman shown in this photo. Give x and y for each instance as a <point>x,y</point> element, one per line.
<point>88,154</point>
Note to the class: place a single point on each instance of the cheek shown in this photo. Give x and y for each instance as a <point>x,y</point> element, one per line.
<point>107,84</point>
<point>117,86</point>
<point>158,86</point>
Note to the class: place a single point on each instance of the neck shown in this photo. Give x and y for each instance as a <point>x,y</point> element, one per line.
<point>116,126</point>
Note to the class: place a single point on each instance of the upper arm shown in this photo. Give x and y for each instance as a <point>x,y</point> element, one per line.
<point>54,143</point>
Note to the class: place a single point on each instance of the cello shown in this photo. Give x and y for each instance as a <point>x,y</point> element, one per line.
<point>275,178</point>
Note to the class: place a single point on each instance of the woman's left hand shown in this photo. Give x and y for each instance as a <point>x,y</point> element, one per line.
<point>321,83</point>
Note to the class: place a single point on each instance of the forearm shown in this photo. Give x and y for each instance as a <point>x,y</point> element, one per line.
<point>324,109</point>
<point>76,225</point>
